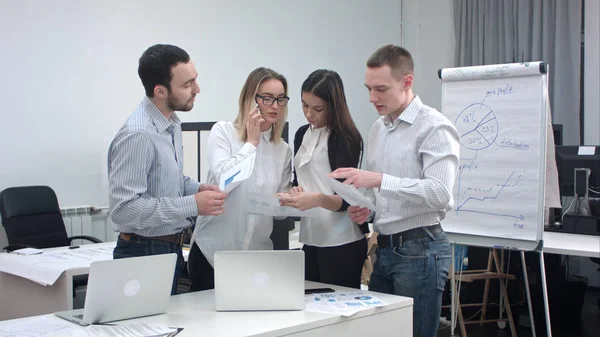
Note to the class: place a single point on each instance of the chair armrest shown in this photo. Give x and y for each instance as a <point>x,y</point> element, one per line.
<point>10,248</point>
<point>85,237</point>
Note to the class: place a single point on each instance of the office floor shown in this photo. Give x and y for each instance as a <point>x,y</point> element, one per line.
<point>589,322</point>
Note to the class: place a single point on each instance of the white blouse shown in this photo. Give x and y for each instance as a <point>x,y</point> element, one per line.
<point>312,167</point>
<point>236,229</point>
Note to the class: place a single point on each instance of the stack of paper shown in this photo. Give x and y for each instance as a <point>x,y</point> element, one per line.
<point>53,326</point>
<point>121,330</point>
<point>35,327</point>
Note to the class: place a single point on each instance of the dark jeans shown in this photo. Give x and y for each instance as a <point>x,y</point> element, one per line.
<point>338,265</point>
<point>202,273</point>
<point>143,247</point>
<point>419,269</point>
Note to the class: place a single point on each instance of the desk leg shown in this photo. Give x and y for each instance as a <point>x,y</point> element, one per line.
<point>526,277</point>
<point>545,294</point>
<point>453,295</point>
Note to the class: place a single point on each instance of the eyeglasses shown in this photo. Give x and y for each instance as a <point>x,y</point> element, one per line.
<point>268,100</point>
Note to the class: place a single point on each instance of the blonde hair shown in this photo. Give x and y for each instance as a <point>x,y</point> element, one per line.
<point>247,102</point>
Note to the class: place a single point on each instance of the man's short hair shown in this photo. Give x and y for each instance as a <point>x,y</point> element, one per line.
<point>398,58</point>
<point>156,63</point>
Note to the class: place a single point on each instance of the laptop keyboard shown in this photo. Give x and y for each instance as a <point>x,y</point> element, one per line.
<point>78,316</point>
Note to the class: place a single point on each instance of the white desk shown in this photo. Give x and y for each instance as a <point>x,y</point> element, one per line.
<point>571,244</point>
<point>28,298</point>
<point>195,313</point>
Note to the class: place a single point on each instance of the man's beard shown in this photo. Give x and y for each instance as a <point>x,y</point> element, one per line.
<point>174,105</point>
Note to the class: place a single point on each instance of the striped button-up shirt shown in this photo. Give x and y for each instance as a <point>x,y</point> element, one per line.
<point>148,193</point>
<point>418,156</point>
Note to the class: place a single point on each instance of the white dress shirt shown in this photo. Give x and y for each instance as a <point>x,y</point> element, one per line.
<point>235,229</point>
<point>312,167</point>
<point>418,156</point>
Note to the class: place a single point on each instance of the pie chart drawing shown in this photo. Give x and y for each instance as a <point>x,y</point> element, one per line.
<point>477,126</point>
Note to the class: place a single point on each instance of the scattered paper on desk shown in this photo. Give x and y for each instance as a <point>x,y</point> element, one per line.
<point>119,330</point>
<point>47,267</point>
<point>341,303</point>
<point>235,175</point>
<point>352,195</point>
<point>36,327</point>
<point>269,205</point>
<point>28,251</point>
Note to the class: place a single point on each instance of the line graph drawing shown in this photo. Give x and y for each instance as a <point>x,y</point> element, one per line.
<point>465,204</point>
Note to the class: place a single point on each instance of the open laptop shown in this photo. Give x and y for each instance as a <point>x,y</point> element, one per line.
<point>259,280</point>
<point>126,288</point>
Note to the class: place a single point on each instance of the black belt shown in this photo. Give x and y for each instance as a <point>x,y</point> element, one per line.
<point>397,239</point>
<point>177,239</point>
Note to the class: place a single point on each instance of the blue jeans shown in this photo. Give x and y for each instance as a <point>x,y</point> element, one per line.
<point>418,269</point>
<point>144,247</point>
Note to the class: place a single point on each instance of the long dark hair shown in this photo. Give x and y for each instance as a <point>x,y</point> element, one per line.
<point>328,86</point>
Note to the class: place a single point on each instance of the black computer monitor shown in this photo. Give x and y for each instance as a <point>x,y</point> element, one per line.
<point>568,160</point>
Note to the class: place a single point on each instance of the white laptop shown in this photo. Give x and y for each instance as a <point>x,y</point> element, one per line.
<point>126,288</point>
<point>259,280</point>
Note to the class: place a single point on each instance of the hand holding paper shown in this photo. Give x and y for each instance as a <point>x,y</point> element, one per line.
<point>358,178</point>
<point>351,194</point>
<point>359,214</point>
<point>300,200</point>
<point>269,205</point>
<point>210,202</point>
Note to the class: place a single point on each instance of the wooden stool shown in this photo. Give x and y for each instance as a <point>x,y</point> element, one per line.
<point>368,265</point>
<point>487,275</point>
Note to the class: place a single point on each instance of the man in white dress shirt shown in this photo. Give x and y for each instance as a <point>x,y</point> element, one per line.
<point>412,161</point>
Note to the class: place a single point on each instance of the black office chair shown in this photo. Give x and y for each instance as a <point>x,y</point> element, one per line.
<point>31,218</point>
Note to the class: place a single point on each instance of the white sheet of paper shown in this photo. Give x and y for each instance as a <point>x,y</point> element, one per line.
<point>124,330</point>
<point>46,268</point>
<point>341,303</point>
<point>28,251</point>
<point>269,205</point>
<point>552,195</point>
<point>352,195</point>
<point>35,327</point>
<point>586,150</point>
<point>235,175</point>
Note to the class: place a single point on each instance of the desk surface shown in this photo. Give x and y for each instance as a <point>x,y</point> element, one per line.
<point>571,244</point>
<point>196,314</point>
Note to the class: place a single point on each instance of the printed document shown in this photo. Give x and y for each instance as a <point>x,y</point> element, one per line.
<point>342,303</point>
<point>352,195</point>
<point>269,205</point>
<point>235,175</point>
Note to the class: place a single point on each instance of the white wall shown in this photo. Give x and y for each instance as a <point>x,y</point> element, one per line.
<point>430,39</point>
<point>70,76</point>
<point>591,90</point>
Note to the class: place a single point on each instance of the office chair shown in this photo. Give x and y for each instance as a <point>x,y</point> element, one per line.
<point>31,218</point>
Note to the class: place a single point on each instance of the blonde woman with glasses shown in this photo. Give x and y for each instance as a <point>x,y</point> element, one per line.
<point>256,130</point>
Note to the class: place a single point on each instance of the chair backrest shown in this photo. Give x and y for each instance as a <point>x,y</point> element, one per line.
<point>31,216</point>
